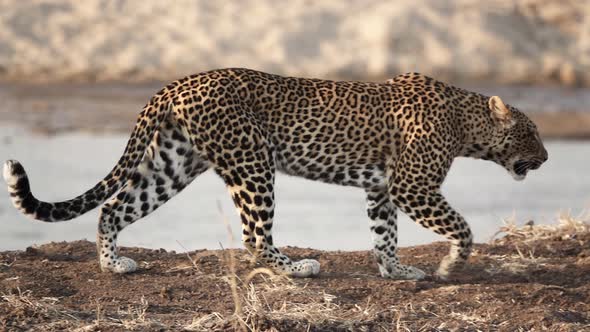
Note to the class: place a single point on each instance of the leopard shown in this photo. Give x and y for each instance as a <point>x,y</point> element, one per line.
<point>394,139</point>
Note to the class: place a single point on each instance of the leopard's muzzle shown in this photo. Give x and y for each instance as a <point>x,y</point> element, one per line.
<point>521,167</point>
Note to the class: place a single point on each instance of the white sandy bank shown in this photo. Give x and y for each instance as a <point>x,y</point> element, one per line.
<point>505,41</point>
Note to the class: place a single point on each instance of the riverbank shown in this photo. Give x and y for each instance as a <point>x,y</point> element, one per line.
<point>504,41</point>
<point>559,112</point>
<point>534,278</point>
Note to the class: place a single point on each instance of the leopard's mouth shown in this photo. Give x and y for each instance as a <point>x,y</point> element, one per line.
<point>521,167</point>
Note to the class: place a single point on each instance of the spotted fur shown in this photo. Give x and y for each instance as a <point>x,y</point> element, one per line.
<point>396,140</point>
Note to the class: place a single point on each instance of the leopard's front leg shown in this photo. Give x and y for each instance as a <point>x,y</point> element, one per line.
<point>431,210</point>
<point>414,187</point>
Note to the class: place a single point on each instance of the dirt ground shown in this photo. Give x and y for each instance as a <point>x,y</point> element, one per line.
<point>530,280</point>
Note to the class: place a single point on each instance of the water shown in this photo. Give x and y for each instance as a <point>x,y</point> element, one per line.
<point>309,214</point>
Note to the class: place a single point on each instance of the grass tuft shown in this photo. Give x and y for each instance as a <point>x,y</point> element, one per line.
<point>567,227</point>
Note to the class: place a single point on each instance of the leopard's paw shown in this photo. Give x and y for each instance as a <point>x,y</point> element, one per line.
<point>402,272</point>
<point>442,273</point>
<point>448,266</point>
<point>304,268</point>
<point>120,265</point>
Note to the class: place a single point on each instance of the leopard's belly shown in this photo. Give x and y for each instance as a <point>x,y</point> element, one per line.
<point>331,163</point>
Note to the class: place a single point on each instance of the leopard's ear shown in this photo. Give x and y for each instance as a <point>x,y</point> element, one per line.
<point>500,113</point>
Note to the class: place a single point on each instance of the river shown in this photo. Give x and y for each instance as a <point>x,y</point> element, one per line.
<point>309,214</point>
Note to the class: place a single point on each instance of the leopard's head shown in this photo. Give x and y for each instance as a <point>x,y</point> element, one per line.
<point>515,144</point>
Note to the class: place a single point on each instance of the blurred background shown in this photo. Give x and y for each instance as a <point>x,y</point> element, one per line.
<point>74,75</point>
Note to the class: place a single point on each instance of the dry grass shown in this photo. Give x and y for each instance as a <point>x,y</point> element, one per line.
<point>206,323</point>
<point>523,238</point>
<point>132,318</point>
<point>47,306</point>
<point>309,306</point>
<point>277,299</point>
<point>257,304</point>
<point>567,227</point>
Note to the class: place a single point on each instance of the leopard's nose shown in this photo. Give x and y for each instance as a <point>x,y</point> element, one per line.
<point>544,155</point>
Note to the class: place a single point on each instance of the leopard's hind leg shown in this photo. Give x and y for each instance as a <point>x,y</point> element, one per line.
<point>383,223</point>
<point>251,184</point>
<point>168,167</point>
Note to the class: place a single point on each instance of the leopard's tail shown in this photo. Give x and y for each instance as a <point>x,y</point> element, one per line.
<point>23,199</point>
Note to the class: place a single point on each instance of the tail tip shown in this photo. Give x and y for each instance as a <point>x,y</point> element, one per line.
<point>12,171</point>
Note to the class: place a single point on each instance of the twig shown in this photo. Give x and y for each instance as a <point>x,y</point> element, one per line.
<point>232,269</point>
<point>189,256</point>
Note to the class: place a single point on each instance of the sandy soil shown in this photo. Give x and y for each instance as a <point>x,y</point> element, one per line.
<point>525,281</point>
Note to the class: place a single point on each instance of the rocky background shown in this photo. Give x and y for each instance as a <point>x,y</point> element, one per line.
<point>509,41</point>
